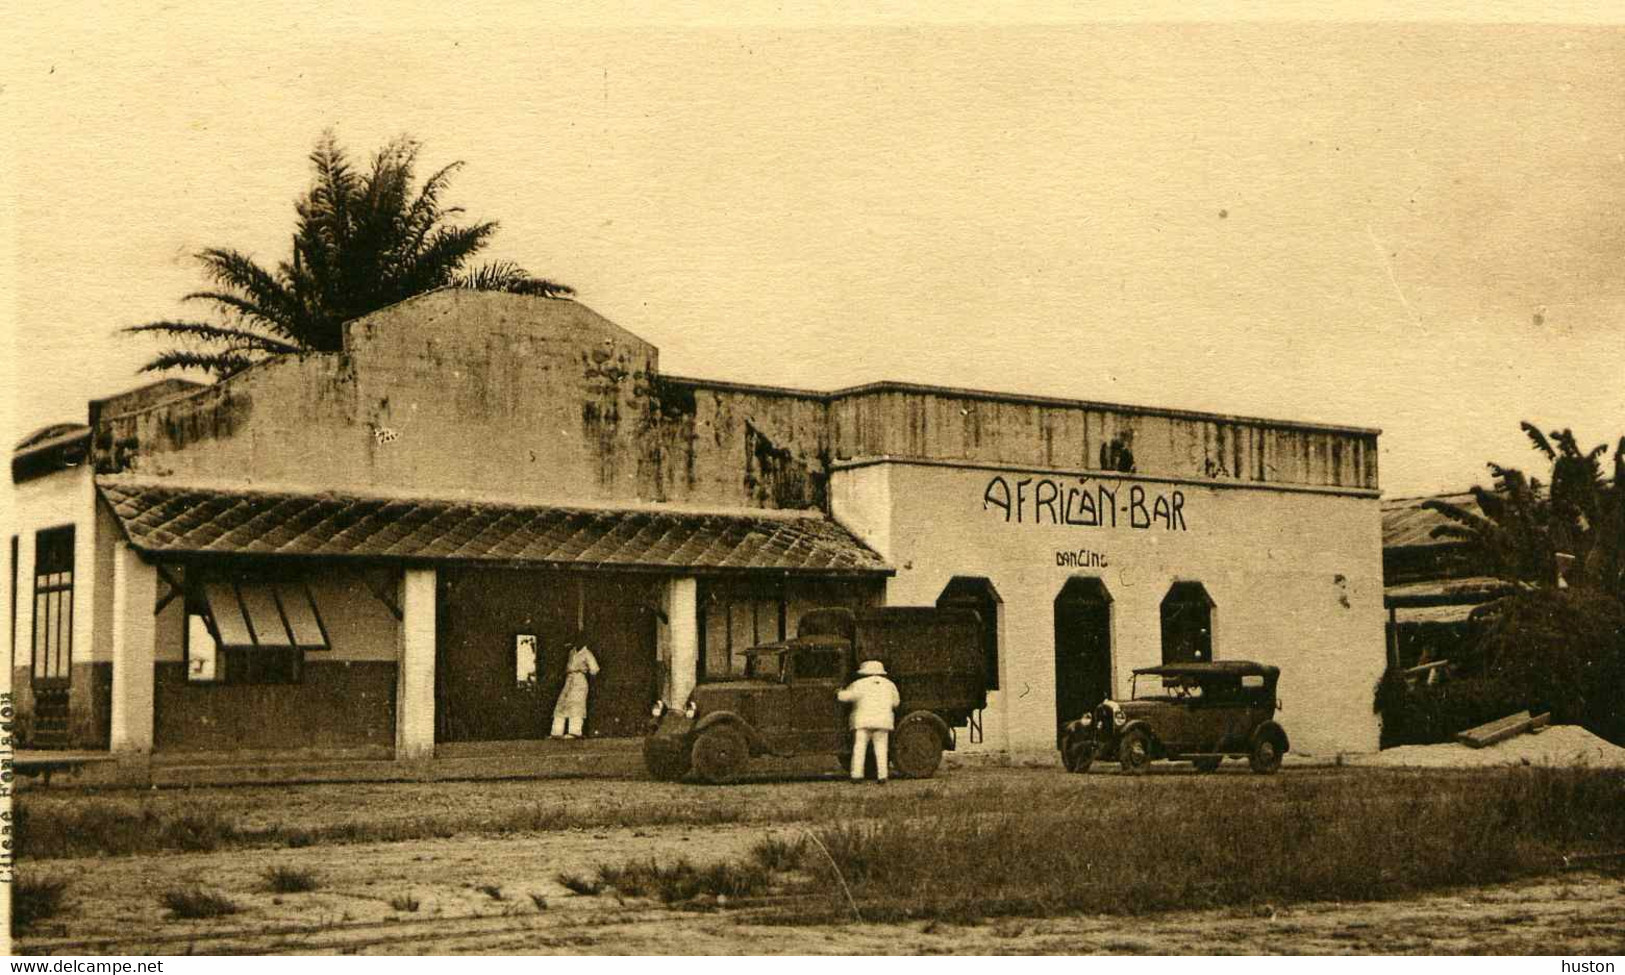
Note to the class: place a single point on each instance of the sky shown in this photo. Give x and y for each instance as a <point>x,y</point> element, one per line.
<point>1412,226</point>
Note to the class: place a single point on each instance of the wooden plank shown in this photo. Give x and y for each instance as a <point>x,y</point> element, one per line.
<point>1501,730</point>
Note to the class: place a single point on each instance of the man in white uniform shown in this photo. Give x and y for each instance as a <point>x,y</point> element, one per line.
<point>873,699</point>
<point>570,713</point>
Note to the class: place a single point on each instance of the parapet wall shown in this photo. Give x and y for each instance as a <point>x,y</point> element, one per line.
<point>460,392</point>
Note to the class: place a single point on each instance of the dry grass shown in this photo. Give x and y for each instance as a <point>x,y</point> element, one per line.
<point>577,884</point>
<point>1354,838</point>
<point>195,903</point>
<point>290,880</point>
<point>682,881</point>
<point>34,900</point>
<point>405,903</point>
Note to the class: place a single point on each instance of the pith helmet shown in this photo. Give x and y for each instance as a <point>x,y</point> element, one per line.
<point>871,668</point>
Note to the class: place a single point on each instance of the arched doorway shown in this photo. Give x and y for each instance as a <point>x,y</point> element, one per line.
<point>1083,647</point>
<point>1187,624</point>
<point>977,593</point>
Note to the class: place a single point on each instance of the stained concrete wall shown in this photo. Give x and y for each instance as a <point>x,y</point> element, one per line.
<point>1296,577</point>
<point>543,400</point>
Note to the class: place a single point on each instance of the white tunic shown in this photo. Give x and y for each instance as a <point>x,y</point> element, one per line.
<point>873,700</point>
<point>572,701</point>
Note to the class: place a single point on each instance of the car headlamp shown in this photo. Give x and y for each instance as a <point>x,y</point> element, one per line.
<point>691,710</point>
<point>658,709</point>
<point>1087,720</point>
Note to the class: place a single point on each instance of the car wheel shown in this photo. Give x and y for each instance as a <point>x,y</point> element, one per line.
<point>916,750</point>
<point>1206,764</point>
<point>1134,751</point>
<point>1078,754</point>
<point>1266,756</point>
<point>666,759</point>
<point>719,753</point>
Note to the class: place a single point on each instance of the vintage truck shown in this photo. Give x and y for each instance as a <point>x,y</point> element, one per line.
<point>785,702</point>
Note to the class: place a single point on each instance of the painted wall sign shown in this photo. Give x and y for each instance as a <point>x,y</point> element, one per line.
<point>1040,501</point>
<point>1083,558</point>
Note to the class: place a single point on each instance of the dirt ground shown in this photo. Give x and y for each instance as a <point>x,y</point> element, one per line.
<point>500,894</point>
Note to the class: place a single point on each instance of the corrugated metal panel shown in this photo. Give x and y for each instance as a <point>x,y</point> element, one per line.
<point>1406,523</point>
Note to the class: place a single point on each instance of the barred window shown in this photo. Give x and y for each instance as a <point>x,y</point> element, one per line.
<point>1187,624</point>
<point>53,603</point>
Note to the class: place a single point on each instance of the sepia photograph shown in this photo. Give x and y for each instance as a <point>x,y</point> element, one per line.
<point>810,479</point>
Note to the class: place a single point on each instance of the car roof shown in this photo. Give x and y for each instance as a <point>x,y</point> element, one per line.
<point>1213,667</point>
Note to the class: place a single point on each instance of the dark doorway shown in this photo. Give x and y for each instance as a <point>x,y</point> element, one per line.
<point>1187,624</point>
<point>479,693</point>
<point>975,592</point>
<point>1083,647</point>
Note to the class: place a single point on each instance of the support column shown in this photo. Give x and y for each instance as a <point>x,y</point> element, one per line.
<point>682,620</point>
<point>135,639</point>
<point>414,695</point>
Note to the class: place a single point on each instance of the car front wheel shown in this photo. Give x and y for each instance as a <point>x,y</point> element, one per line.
<point>1266,756</point>
<point>1134,751</point>
<point>719,753</point>
<point>667,761</point>
<point>1078,754</point>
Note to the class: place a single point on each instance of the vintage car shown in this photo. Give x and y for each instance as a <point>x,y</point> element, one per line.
<point>1202,713</point>
<point>784,703</point>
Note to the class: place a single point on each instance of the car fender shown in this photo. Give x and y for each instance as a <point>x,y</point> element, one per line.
<point>1122,730</point>
<point>1274,730</point>
<point>673,724</point>
<point>729,718</point>
<point>929,718</point>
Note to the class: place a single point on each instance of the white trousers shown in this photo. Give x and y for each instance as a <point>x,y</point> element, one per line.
<point>860,745</point>
<point>567,724</point>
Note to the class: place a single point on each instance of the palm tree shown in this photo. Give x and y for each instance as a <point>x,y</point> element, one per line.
<point>1526,526</point>
<point>363,240</point>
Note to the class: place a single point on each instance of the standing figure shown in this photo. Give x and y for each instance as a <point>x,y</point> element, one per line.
<point>570,713</point>
<point>873,699</point>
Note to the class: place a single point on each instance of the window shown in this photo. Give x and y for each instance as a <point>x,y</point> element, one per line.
<point>765,666</point>
<point>974,592</point>
<point>819,665</point>
<point>250,630</point>
<point>53,604</point>
<point>1187,624</point>
<point>736,618</point>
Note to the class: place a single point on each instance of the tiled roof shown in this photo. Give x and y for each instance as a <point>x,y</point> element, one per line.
<point>175,519</point>
<point>1406,523</point>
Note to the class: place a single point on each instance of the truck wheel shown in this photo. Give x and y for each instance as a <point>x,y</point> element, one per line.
<point>666,760</point>
<point>719,753</point>
<point>1134,751</point>
<point>1206,764</point>
<point>1266,756</point>
<point>916,749</point>
<point>1078,754</point>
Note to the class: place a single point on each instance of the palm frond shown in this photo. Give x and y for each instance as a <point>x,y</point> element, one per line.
<point>1455,513</point>
<point>510,277</point>
<point>264,296</point>
<point>1538,439</point>
<point>219,364</point>
<point>209,332</point>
